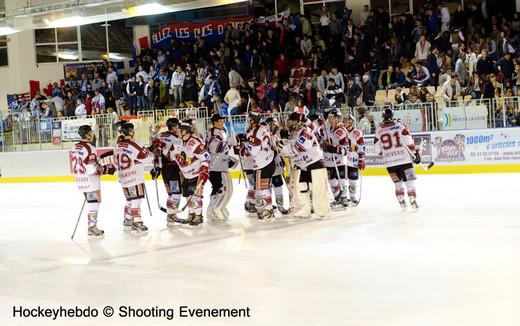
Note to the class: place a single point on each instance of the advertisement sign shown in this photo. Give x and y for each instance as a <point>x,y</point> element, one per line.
<point>56,133</point>
<point>493,146</point>
<point>464,117</point>
<point>70,128</point>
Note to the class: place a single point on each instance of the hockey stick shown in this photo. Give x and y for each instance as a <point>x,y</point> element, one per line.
<point>147,200</point>
<point>156,163</point>
<point>426,167</point>
<point>334,158</point>
<point>199,184</point>
<point>79,217</point>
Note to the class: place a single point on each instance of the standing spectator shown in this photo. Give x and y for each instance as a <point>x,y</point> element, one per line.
<point>333,93</point>
<point>505,66</point>
<point>322,103</point>
<point>233,100</point>
<point>283,95</point>
<point>306,46</point>
<point>59,104</point>
<point>176,86</point>
<point>484,64</point>
<point>367,124</point>
<point>369,91</point>
<point>422,49</point>
<point>363,16</point>
<point>141,73</point>
<point>131,91</point>
<point>98,102</point>
<point>235,79</point>
<point>323,80</point>
<point>338,78</point>
<point>282,66</point>
<point>149,94</point>
<point>139,92</point>
<point>445,18</point>
<point>85,86</point>
<point>489,87</point>
<point>111,76</point>
<point>80,111</point>
<point>47,111</point>
<point>460,69</point>
<point>325,24</point>
<point>353,92</point>
<point>96,83</point>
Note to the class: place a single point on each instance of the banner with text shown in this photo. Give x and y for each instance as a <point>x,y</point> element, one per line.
<point>214,30</point>
<point>70,128</point>
<point>464,117</point>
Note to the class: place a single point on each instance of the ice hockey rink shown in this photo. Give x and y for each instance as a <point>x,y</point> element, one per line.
<point>454,262</point>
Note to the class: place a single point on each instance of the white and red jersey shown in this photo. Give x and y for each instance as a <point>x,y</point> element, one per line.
<point>245,157</point>
<point>190,157</point>
<point>260,146</point>
<point>338,138</point>
<point>303,148</point>
<point>171,142</point>
<point>85,166</point>
<point>357,147</point>
<point>218,148</point>
<point>130,158</point>
<point>389,141</point>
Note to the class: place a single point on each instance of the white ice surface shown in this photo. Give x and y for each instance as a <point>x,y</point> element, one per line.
<point>455,262</point>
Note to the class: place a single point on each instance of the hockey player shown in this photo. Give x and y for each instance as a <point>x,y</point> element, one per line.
<point>310,174</point>
<point>246,162</point>
<point>394,142</point>
<point>193,161</point>
<point>260,147</point>
<point>85,165</point>
<point>355,158</point>
<point>335,149</point>
<point>277,179</point>
<point>165,143</point>
<point>221,183</point>
<point>130,158</point>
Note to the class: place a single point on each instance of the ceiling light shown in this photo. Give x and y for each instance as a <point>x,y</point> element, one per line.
<point>146,9</point>
<point>7,30</point>
<point>68,56</point>
<point>67,21</point>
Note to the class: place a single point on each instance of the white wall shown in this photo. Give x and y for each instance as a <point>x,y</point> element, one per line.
<point>37,163</point>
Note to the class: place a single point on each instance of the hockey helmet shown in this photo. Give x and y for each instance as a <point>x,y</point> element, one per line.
<point>388,114</point>
<point>334,113</point>
<point>349,117</point>
<point>126,128</point>
<point>255,116</point>
<point>84,130</point>
<point>186,125</point>
<point>172,122</point>
<point>216,117</point>
<point>119,124</point>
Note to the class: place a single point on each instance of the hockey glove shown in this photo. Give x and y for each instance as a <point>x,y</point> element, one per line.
<point>417,158</point>
<point>284,134</point>
<point>361,161</point>
<point>155,173</point>
<point>203,174</point>
<point>109,169</point>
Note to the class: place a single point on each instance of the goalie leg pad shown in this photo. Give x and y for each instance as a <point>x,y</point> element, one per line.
<point>221,208</point>
<point>352,189</point>
<point>320,200</point>
<point>302,206</point>
<point>293,188</point>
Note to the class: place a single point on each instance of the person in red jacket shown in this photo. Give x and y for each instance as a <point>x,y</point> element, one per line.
<point>282,66</point>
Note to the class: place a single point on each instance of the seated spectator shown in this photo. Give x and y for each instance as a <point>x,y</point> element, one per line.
<point>388,77</point>
<point>400,96</point>
<point>475,86</point>
<point>422,77</point>
<point>451,89</point>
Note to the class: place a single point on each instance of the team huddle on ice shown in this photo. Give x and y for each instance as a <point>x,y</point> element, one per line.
<point>321,153</point>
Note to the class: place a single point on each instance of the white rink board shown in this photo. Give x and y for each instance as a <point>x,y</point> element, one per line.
<point>455,262</point>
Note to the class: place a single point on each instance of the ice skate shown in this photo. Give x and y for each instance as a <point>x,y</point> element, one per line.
<point>94,232</point>
<point>127,223</point>
<point>402,202</point>
<point>354,202</point>
<point>266,214</point>
<point>196,219</point>
<point>413,203</point>
<point>139,227</point>
<point>279,206</point>
<point>173,220</point>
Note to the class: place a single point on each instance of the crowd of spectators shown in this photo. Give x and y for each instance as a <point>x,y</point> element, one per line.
<point>437,53</point>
